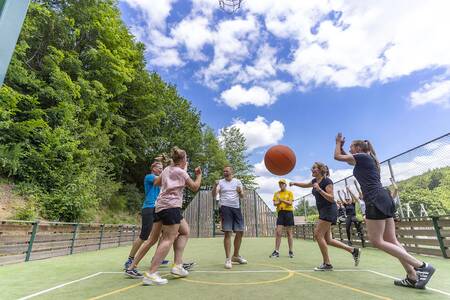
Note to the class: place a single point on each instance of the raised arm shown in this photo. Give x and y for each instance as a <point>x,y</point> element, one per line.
<point>339,153</point>
<point>215,189</point>
<point>301,184</point>
<point>195,185</point>
<point>353,196</point>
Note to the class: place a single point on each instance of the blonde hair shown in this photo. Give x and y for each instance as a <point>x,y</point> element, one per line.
<point>367,147</point>
<point>177,155</point>
<point>323,168</point>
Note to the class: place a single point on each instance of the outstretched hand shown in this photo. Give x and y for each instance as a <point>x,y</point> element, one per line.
<point>340,139</point>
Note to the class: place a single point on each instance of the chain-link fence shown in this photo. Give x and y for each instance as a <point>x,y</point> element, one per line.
<point>419,180</point>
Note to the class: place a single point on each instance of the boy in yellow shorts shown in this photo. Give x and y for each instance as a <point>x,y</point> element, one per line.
<point>283,201</point>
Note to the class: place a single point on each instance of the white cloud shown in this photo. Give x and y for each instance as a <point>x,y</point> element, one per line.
<point>238,95</point>
<point>335,43</point>
<point>437,92</point>
<point>259,133</point>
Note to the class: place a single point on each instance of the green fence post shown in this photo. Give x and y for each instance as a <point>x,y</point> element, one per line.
<point>256,213</point>
<point>120,232</point>
<point>437,229</point>
<point>74,237</point>
<point>30,243</point>
<point>102,227</point>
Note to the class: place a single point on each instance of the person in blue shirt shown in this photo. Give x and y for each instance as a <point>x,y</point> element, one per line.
<point>380,210</point>
<point>151,188</point>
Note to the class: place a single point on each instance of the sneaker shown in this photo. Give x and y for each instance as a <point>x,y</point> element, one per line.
<point>405,282</point>
<point>133,273</point>
<point>153,279</point>
<point>228,264</point>
<point>239,259</point>
<point>189,265</point>
<point>324,267</point>
<point>179,271</point>
<point>350,243</point>
<point>356,255</point>
<point>275,253</point>
<point>424,275</point>
<point>291,254</point>
<point>127,264</point>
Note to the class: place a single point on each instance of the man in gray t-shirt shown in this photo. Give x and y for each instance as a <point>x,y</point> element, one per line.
<point>230,191</point>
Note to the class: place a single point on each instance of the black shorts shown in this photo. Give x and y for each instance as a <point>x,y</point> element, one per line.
<point>147,222</point>
<point>231,219</point>
<point>383,207</point>
<point>285,218</point>
<point>156,219</point>
<point>329,214</point>
<point>170,216</point>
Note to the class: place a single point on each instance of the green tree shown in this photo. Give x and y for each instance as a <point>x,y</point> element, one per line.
<point>233,143</point>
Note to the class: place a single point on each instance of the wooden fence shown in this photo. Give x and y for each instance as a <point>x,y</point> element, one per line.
<point>429,235</point>
<point>202,215</point>
<point>24,241</point>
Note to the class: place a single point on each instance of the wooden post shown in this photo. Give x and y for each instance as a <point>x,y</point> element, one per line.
<point>256,213</point>
<point>32,237</point>
<point>74,237</point>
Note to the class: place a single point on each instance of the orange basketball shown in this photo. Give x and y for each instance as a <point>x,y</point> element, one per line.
<point>280,160</point>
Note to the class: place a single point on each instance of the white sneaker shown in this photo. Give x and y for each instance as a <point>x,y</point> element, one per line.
<point>228,264</point>
<point>239,259</point>
<point>179,271</point>
<point>153,279</point>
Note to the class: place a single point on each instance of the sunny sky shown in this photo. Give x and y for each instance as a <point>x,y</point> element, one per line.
<point>297,72</point>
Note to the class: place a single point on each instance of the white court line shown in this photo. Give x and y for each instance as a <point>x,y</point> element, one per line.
<point>230,272</point>
<point>392,277</point>
<point>59,286</point>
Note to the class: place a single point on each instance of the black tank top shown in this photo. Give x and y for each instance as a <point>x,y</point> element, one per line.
<point>350,209</point>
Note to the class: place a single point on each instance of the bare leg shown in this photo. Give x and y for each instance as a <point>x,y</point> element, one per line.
<point>237,242</point>
<point>278,233</point>
<point>227,243</point>
<point>376,230</point>
<point>320,231</point>
<point>181,241</point>
<point>153,238</point>
<point>290,236</point>
<point>389,236</point>
<point>136,245</point>
<point>170,233</point>
<point>336,243</point>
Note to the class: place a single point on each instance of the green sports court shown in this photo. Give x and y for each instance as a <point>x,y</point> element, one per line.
<point>98,275</point>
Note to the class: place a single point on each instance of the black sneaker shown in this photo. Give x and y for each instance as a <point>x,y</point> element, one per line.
<point>275,253</point>
<point>350,243</point>
<point>356,255</point>
<point>406,282</point>
<point>127,264</point>
<point>189,265</point>
<point>424,275</point>
<point>291,254</point>
<point>324,267</point>
<point>133,274</point>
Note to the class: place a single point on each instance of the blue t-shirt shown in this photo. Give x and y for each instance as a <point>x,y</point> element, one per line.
<point>151,191</point>
<point>366,172</point>
<point>321,202</point>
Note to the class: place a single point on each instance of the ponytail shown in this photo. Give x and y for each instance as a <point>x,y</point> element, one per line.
<point>373,154</point>
<point>177,155</point>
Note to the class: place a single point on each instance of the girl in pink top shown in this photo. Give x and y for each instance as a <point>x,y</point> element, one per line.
<point>175,230</point>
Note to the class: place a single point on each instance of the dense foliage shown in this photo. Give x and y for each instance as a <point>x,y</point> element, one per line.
<point>81,118</point>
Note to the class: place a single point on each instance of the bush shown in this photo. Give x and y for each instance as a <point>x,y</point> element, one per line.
<point>27,212</point>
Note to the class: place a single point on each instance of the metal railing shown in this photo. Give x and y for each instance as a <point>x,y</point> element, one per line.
<point>421,160</point>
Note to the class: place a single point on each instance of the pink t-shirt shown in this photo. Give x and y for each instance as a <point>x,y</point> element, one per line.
<point>173,180</point>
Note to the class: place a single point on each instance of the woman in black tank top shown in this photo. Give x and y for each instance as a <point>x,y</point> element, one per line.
<point>379,210</point>
<point>323,192</point>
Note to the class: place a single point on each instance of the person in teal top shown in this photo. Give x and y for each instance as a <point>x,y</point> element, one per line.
<point>151,188</point>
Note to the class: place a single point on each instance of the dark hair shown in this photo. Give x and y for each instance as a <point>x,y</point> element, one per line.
<point>367,147</point>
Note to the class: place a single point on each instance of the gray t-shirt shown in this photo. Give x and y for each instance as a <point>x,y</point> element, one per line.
<point>228,192</point>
